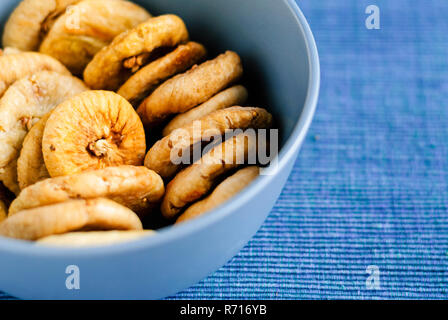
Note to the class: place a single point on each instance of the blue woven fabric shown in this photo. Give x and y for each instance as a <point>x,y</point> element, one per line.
<point>370,186</point>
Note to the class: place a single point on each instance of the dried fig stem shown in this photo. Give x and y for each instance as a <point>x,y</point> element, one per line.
<point>99,148</point>
<point>134,63</point>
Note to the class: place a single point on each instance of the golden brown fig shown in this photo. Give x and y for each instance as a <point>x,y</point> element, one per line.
<point>17,66</point>
<point>223,192</point>
<point>148,78</point>
<point>93,130</point>
<point>95,214</point>
<point>93,238</point>
<point>159,158</point>
<point>134,187</point>
<point>9,51</point>
<point>30,21</point>
<point>23,104</point>
<point>198,179</point>
<point>87,27</point>
<point>188,90</point>
<point>234,96</point>
<point>30,165</point>
<point>2,211</point>
<point>114,64</point>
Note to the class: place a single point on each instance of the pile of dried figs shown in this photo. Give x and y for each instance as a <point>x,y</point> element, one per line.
<point>98,102</point>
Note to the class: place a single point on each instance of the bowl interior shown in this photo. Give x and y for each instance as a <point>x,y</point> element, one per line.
<point>272,47</point>
<point>266,34</point>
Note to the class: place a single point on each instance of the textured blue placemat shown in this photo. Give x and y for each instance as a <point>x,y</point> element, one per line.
<point>370,186</point>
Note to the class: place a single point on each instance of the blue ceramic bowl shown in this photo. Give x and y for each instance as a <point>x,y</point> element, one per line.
<point>282,73</point>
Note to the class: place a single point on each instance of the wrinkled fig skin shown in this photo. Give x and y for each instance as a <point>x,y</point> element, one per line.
<point>7,51</point>
<point>93,130</point>
<point>17,66</point>
<point>3,211</point>
<point>213,124</point>
<point>134,187</point>
<point>188,90</point>
<point>148,78</point>
<point>197,180</point>
<point>107,69</point>
<point>234,96</point>
<point>75,215</point>
<point>226,190</point>
<point>23,105</point>
<point>30,165</point>
<point>93,238</point>
<point>30,21</point>
<point>87,27</point>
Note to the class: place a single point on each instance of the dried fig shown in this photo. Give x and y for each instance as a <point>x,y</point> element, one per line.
<point>149,77</point>
<point>134,187</point>
<point>114,64</point>
<point>188,90</point>
<point>215,123</point>
<point>17,66</point>
<point>95,214</point>
<point>9,51</point>
<point>234,96</point>
<point>3,211</point>
<point>198,179</point>
<point>23,104</point>
<point>8,175</point>
<point>87,27</point>
<point>30,165</point>
<point>30,21</point>
<point>229,188</point>
<point>93,238</point>
<point>93,130</point>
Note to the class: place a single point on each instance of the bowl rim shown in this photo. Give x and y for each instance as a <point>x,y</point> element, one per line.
<point>172,233</point>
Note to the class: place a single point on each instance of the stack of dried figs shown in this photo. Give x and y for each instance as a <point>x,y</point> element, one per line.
<point>84,87</point>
